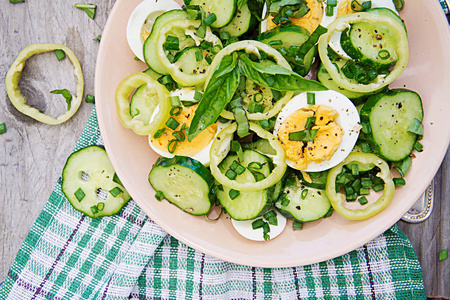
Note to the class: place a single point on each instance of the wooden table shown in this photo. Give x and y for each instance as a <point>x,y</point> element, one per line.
<point>32,154</point>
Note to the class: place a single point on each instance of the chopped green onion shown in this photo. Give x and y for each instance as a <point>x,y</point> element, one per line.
<point>303,135</point>
<point>60,55</point>
<point>276,43</point>
<point>179,136</point>
<point>66,94</point>
<point>233,194</point>
<point>230,174</point>
<point>116,191</point>
<point>349,190</point>
<point>258,97</point>
<point>2,128</point>
<point>165,79</point>
<point>237,167</point>
<point>100,206</point>
<point>199,55</point>
<point>273,221</point>
<point>356,185</point>
<point>443,254</point>
<point>304,194</point>
<point>291,180</point>
<point>399,181</point>
<point>378,187</point>
<point>363,191</point>
<point>366,128</point>
<point>216,48</point>
<point>172,123</point>
<point>89,9</point>
<point>79,194</point>
<point>399,4</point>
<point>208,59</point>
<point>311,98</point>
<point>310,122</point>
<point>235,146</point>
<point>361,7</point>
<point>242,122</point>
<point>266,229</point>
<point>16,1</point>
<point>175,101</point>
<point>198,96</point>
<point>366,183</point>
<point>285,202</point>
<point>403,166</point>
<point>416,127</point>
<point>269,214</point>
<point>224,35</point>
<point>176,111</point>
<point>254,166</point>
<point>159,133</point>
<point>355,170</point>
<point>384,54</point>
<point>94,209</point>
<point>159,195</point>
<point>363,200</point>
<point>297,225</point>
<point>329,213</point>
<point>223,120</point>
<point>205,44</point>
<point>210,19</point>
<point>418,146</point>
<point>172,43</point>
<point>264,124</point>
<point>136,58</point>
<point>258,224</point>
<point>172,146</point>
<point>332,2</point>
<point>97,38</point>
<point>89,98</point>
<point>329,11</point>
<point>351,198</point>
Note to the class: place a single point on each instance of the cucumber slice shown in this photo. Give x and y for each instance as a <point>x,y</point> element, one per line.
<point>314,206</point>
<point>224,10</point>
<point>184,182</point>
<point>142,105</point>
<point>388,116</point>
<point>242,22</point>
<point>371,44</point>
<point>87,182</point>
<point>188,62</point>
<point>289,36</point>
<point>150,43</point>
<point>248,205</point>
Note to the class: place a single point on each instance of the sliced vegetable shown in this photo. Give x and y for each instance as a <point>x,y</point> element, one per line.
<point>184,182</point>
<point>17,98</point>
<point>337,199</point>
<point>89,98</point>
<point>155,93</point>
<point>2,128</point>
<point>66,94</point>
<point>87,182</point>
<point>221,147</point>
<point>398,34</point>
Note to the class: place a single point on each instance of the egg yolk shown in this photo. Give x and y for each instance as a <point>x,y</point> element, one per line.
<point>309,21</point>
<point>185,147</point>
<point>326,142</point>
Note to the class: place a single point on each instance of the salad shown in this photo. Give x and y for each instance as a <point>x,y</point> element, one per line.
<point>273,109</point>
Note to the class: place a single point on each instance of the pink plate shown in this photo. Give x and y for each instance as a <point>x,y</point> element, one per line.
<point>428,74</point>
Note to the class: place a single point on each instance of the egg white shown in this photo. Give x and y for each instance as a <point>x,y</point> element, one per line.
<point>148,9</point>
<point>187,94</point>
<point>245,229</point>
<point>348,120</point>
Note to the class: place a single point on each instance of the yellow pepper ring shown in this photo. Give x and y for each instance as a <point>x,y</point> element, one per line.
<point>340,24</point>
<point>253,47</point>
<point>154,89</point>
<point>20,102</point>
<point>221,147</point>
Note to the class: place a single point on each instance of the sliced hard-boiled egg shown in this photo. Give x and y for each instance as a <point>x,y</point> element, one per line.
<point>200,146</point>
<point>141,22</point>
<point>337,124</point>
<point>245,228</point>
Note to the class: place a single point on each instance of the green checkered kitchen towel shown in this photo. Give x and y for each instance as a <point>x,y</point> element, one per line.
<point>68,255</point>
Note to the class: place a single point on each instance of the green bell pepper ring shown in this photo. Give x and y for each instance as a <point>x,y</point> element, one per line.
<point>344,22</point>
<point>18,99</point>
<point>155,91</point>
<point>188,27</point>
<point>221,147</point>
<point>337,199</point>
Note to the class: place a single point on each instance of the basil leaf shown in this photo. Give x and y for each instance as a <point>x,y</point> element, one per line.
<point>277,77</point>
<point>218,93</point>
<point>275,6</point>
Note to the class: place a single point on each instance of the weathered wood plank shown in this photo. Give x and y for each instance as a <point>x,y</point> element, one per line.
<point>32,154</point>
